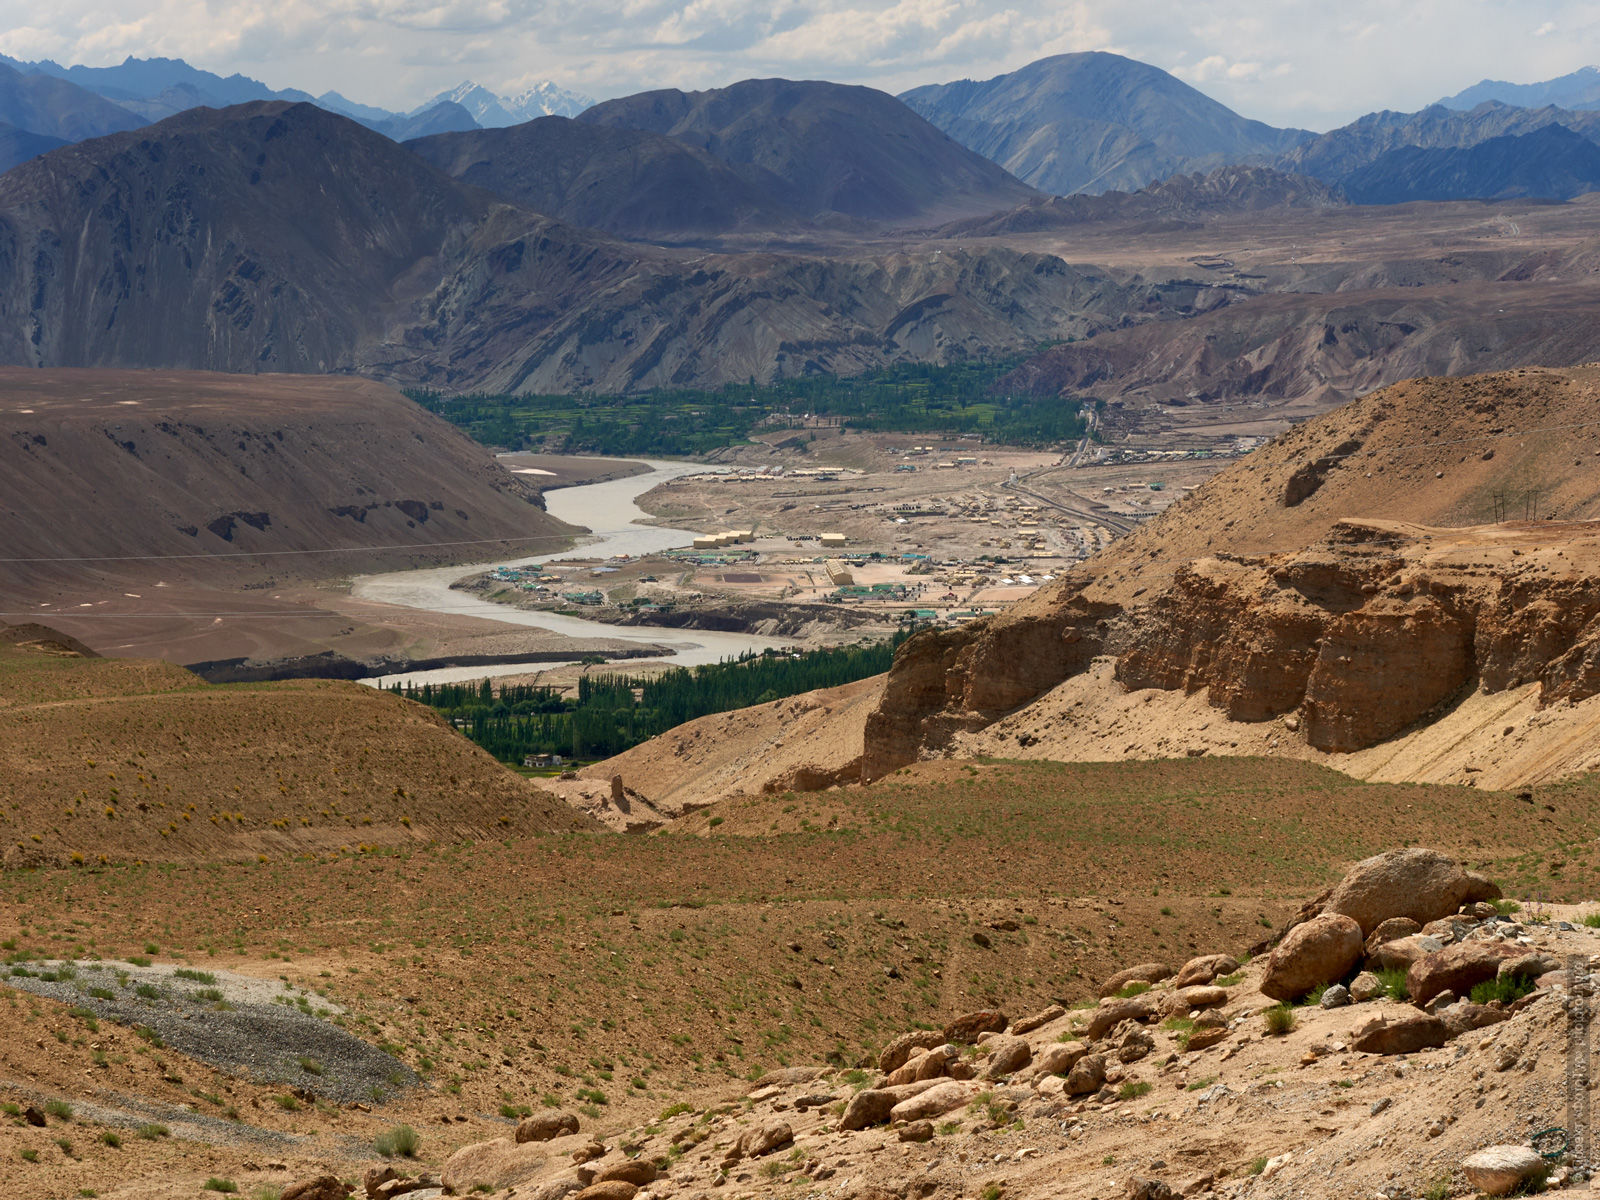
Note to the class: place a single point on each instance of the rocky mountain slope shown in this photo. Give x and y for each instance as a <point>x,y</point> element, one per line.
<point>293,239</point>
<point>1334,156</point>
<point>1550,163</point>
<point>1319,349</point>
<point>832,152</point>
<point>1288,591</point>
<point>1230,189</point>
<point>1093,123</point>
<point>56,108</point>
<point>625,181</point>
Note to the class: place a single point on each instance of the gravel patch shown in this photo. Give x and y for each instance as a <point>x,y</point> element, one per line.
<point>254,1028</point>
<point>135,1112</point>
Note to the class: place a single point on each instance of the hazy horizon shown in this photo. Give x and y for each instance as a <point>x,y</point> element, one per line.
<point>1293,64</point>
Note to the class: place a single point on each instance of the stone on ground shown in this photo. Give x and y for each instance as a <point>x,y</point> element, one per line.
<point>1423,885</point>
<point>1321,950</point>
<point>1501,1170</point>
<point>541,1127</point>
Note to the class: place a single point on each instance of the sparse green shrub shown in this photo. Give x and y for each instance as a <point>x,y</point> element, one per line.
<point>1133,1090</point>
<point>1280,1019</point>
<point>111,1138</point>
<point>1137,988</point>
<point>219,1185</point>
<point>153,1132</point>
<point>1505,989</point>
<point>1394,983</point>
<point>59,1109</point>
<point>400,1142</point>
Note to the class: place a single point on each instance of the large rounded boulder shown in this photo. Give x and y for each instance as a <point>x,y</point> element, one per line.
<point>1321,950</point>
<point>1423,885</point>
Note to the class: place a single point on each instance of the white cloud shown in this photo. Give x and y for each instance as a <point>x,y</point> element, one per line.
<point>1301,62</point>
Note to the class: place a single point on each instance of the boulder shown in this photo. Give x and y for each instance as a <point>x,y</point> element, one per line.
<point>1321,950</point>
<point>936,1101</point>
<point>1112,1013</point>
<point>967,1027</point>
<point>935,1064</point>
<point>1404,1036</point>
<point>1501,1170</point>
<point>1038,1019</point>
<point>1423,885</point>
<point>541,1127</point>
<point>1336,996</point>
<point>1140,1188</point>
<point>764,1138</point>
<point>896,1052</point>
<point>1465,1017</point>
<point>1204,1039</point>
<point>1204,969</point>
<point>1365,986</point>
<point>1007,1055</point>
<point>789,1076</point>
<point>1455,968</point>
<point>589,1152</point>
<point>1202,997</point>
<point>495,1165</point>
<point>917,1131</point>
<point>375,1178</point>
<point>1391,930</point>
<point>1143,973</point>
<point>872,1107</point>
<point>1135,1046</point>
<point>615,1189</point>
<point>323,1187</point>
<point>1059,1058</point>
<point>1399,954</point>
<point>1528,966</point>
<point>1087,1075</point>
<point>637,1172</point>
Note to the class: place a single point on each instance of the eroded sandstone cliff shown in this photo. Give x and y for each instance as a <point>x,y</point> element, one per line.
<point>1375,623</point>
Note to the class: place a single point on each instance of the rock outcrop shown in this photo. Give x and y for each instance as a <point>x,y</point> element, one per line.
<point>1278,599</point>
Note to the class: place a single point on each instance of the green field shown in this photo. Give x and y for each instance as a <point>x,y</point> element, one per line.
<point>913,398</point>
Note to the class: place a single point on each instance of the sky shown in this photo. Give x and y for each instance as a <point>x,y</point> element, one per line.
<point>1308,63</point>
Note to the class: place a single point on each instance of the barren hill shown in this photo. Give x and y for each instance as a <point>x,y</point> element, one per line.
<point>630,182</point>
<point>1094,122</point>
<point>120,759</point>
<point>131,464</point>
<point>825,149</point>
<point>1346,585</point>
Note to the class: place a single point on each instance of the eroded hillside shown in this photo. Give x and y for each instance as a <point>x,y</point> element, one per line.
<point>1349,579</point>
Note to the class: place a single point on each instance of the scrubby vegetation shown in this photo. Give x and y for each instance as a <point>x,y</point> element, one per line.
<point>612,713</point>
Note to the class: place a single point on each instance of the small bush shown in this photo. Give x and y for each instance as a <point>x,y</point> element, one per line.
<point>1280,1019</point>
<point>1507,907</point>
<point>197,976</point>
<point>59,1109</point>
<point>1592,920</point>
<point>1132,1091</point>
<point>1137,988</point>
<point>287,1102</point>
<point>1258,1165</point>
<point>400,1142</point>
<point>153,1132</point>
<point>310,1066</point>
<point>220,1185</point>
<point>30,1156</point>
<point>1504,990</point>
<point>111,1138</point>
<point>1394,984</point>
<point>1200,1085</point>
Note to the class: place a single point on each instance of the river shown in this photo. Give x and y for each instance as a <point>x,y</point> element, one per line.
<point>609,511</point>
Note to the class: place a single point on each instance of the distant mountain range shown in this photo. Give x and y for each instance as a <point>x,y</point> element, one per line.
<point>290,238</point>
<point>1581,89</point>
<point>90,101</point>
<point>829,151</point>
<point>496,112</point>
<point>1095,123</point>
